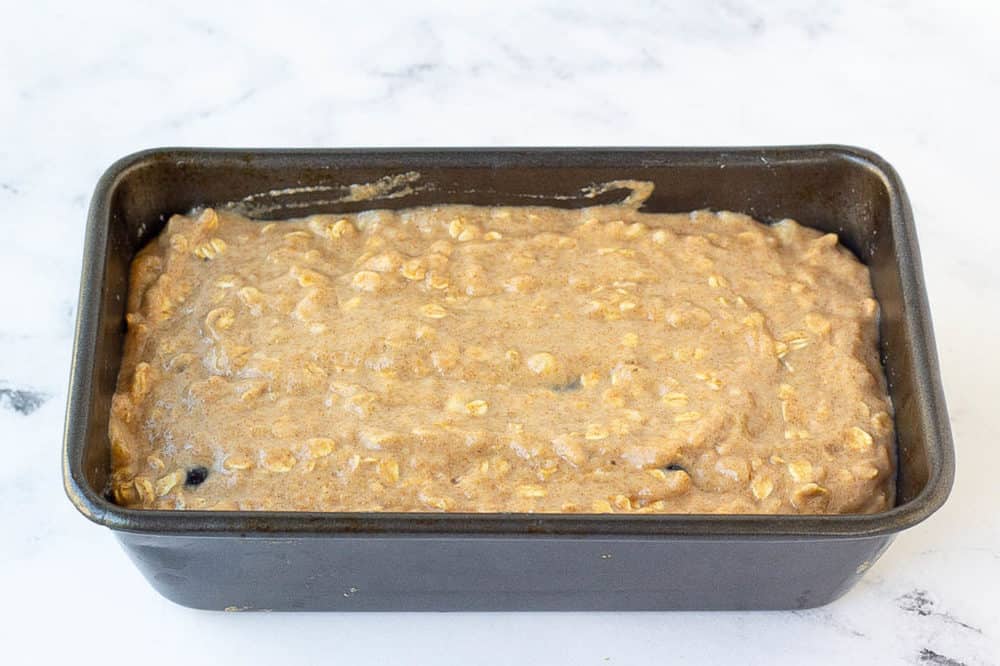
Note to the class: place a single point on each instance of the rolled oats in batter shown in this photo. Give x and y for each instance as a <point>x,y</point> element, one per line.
<point>501,359</point>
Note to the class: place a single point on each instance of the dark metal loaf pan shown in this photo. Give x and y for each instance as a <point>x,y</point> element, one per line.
<point>365,561</point>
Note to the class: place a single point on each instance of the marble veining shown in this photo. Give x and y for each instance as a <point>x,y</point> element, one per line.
<point>82,84</point>
<point>21,400</point>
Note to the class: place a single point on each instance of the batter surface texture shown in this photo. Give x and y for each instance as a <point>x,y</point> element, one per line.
<point>501,359</point>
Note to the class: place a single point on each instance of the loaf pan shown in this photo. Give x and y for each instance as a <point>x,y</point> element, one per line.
<point>430,561</point>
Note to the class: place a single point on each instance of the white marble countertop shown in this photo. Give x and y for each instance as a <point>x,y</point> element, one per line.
<point>81,85</point>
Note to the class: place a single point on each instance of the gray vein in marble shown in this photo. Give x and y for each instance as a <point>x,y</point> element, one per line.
<point>21,400</point>
<point>828,618</point>
<point>919,602</point>
<point>409,71</point>
<point>211,110</point>
<point>928,656</point>
<point>396,80</point>
<point>744,16</point>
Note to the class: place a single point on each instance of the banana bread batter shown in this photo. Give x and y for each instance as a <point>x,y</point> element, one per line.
<point>501,359</point>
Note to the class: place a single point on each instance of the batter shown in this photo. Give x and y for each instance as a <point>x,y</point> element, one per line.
<point>501,359</point>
